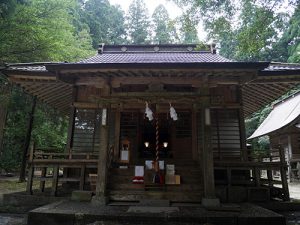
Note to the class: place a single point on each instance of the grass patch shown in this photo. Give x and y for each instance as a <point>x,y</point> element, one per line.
<point>9,186</point>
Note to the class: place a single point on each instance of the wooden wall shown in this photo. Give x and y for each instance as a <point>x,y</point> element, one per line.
<point>226,125</point>
<point>226,139</point>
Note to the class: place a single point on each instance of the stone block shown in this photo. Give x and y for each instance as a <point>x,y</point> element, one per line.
<point>81,196</point>
<point>154,202</point>
<point>99,200</point>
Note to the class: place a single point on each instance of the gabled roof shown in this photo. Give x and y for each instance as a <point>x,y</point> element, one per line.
<point>283,114</point>
<point>262,82</point>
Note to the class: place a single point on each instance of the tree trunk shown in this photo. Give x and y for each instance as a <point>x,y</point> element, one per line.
<point>27,141</point>
<point>6,91</point>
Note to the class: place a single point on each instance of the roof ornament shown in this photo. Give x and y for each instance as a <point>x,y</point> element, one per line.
<point>190,48</point>
<point>213,49</point>
<point>101,48</point>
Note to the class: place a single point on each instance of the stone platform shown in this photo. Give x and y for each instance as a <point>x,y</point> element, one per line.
<point>79,213</point>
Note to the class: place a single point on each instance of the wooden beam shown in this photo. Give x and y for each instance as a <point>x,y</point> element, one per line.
<point>58,98</point>
<point>39,77</point>
<point>272,80</point>
<point>262,92</point>
<point>118,81</point>
<point>50,90</point>
<point>256,99</point>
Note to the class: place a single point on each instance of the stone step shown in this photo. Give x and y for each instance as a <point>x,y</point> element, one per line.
<point>128,179</point>
<point>179,188</point>
<point>172,196</point>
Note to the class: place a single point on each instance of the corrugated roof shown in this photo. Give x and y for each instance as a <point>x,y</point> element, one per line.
<point>282,115</point>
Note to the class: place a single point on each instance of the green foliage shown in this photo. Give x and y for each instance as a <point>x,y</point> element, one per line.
<point>106,22</point>
<point>15,130</point>
<point>138,23</point>
<point>246,30</point>
<point>164,29</point>
<point>49,129</point>
<point>188,30</point>
<point>42,30</point>
<point>290,40</point>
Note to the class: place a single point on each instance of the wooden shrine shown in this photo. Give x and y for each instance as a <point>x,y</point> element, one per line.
<point>105,98</point>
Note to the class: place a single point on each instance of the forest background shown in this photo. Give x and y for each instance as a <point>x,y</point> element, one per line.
<point>70,30</point>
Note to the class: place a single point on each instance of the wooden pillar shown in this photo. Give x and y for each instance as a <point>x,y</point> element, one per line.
<point>194,133</point>
<point>102,156</point>
<point>283,173</point>
<point>55,180</point>
<point>288,158</point>
<point>82,177</point>
<point>30,179</point>
<point>30,171</point>
<point>27,141</point>
<point>244,151</point>
<point>43,176</point>
<point>207,156</point>
<point>209,198</point>
<point>117,135</point>
<point>71,121</point>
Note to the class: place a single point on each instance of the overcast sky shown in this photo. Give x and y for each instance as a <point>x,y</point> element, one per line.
<point>151,5</point>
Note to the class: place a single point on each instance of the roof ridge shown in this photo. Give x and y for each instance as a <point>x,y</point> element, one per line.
<point>150,52</point>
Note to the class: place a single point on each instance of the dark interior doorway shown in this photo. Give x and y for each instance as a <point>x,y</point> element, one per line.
<point>147,141</point>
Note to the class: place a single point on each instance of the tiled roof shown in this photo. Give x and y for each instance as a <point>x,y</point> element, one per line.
<point>28,68</point>
<point>156,57</point>
<point>282,66</point>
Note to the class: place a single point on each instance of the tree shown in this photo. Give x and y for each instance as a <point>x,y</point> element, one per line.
<point>106,22</point>
<point>42,30</point>
<point>189,34</point>
<point>138,23</point>
<point>163,26</point>
<point>290,41</point>
<point>246,30</point>
<point>36,30</point>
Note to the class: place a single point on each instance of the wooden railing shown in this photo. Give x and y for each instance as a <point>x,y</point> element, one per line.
<point>40,155</point>
<point>55,160</point>
<point>267,170</point>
